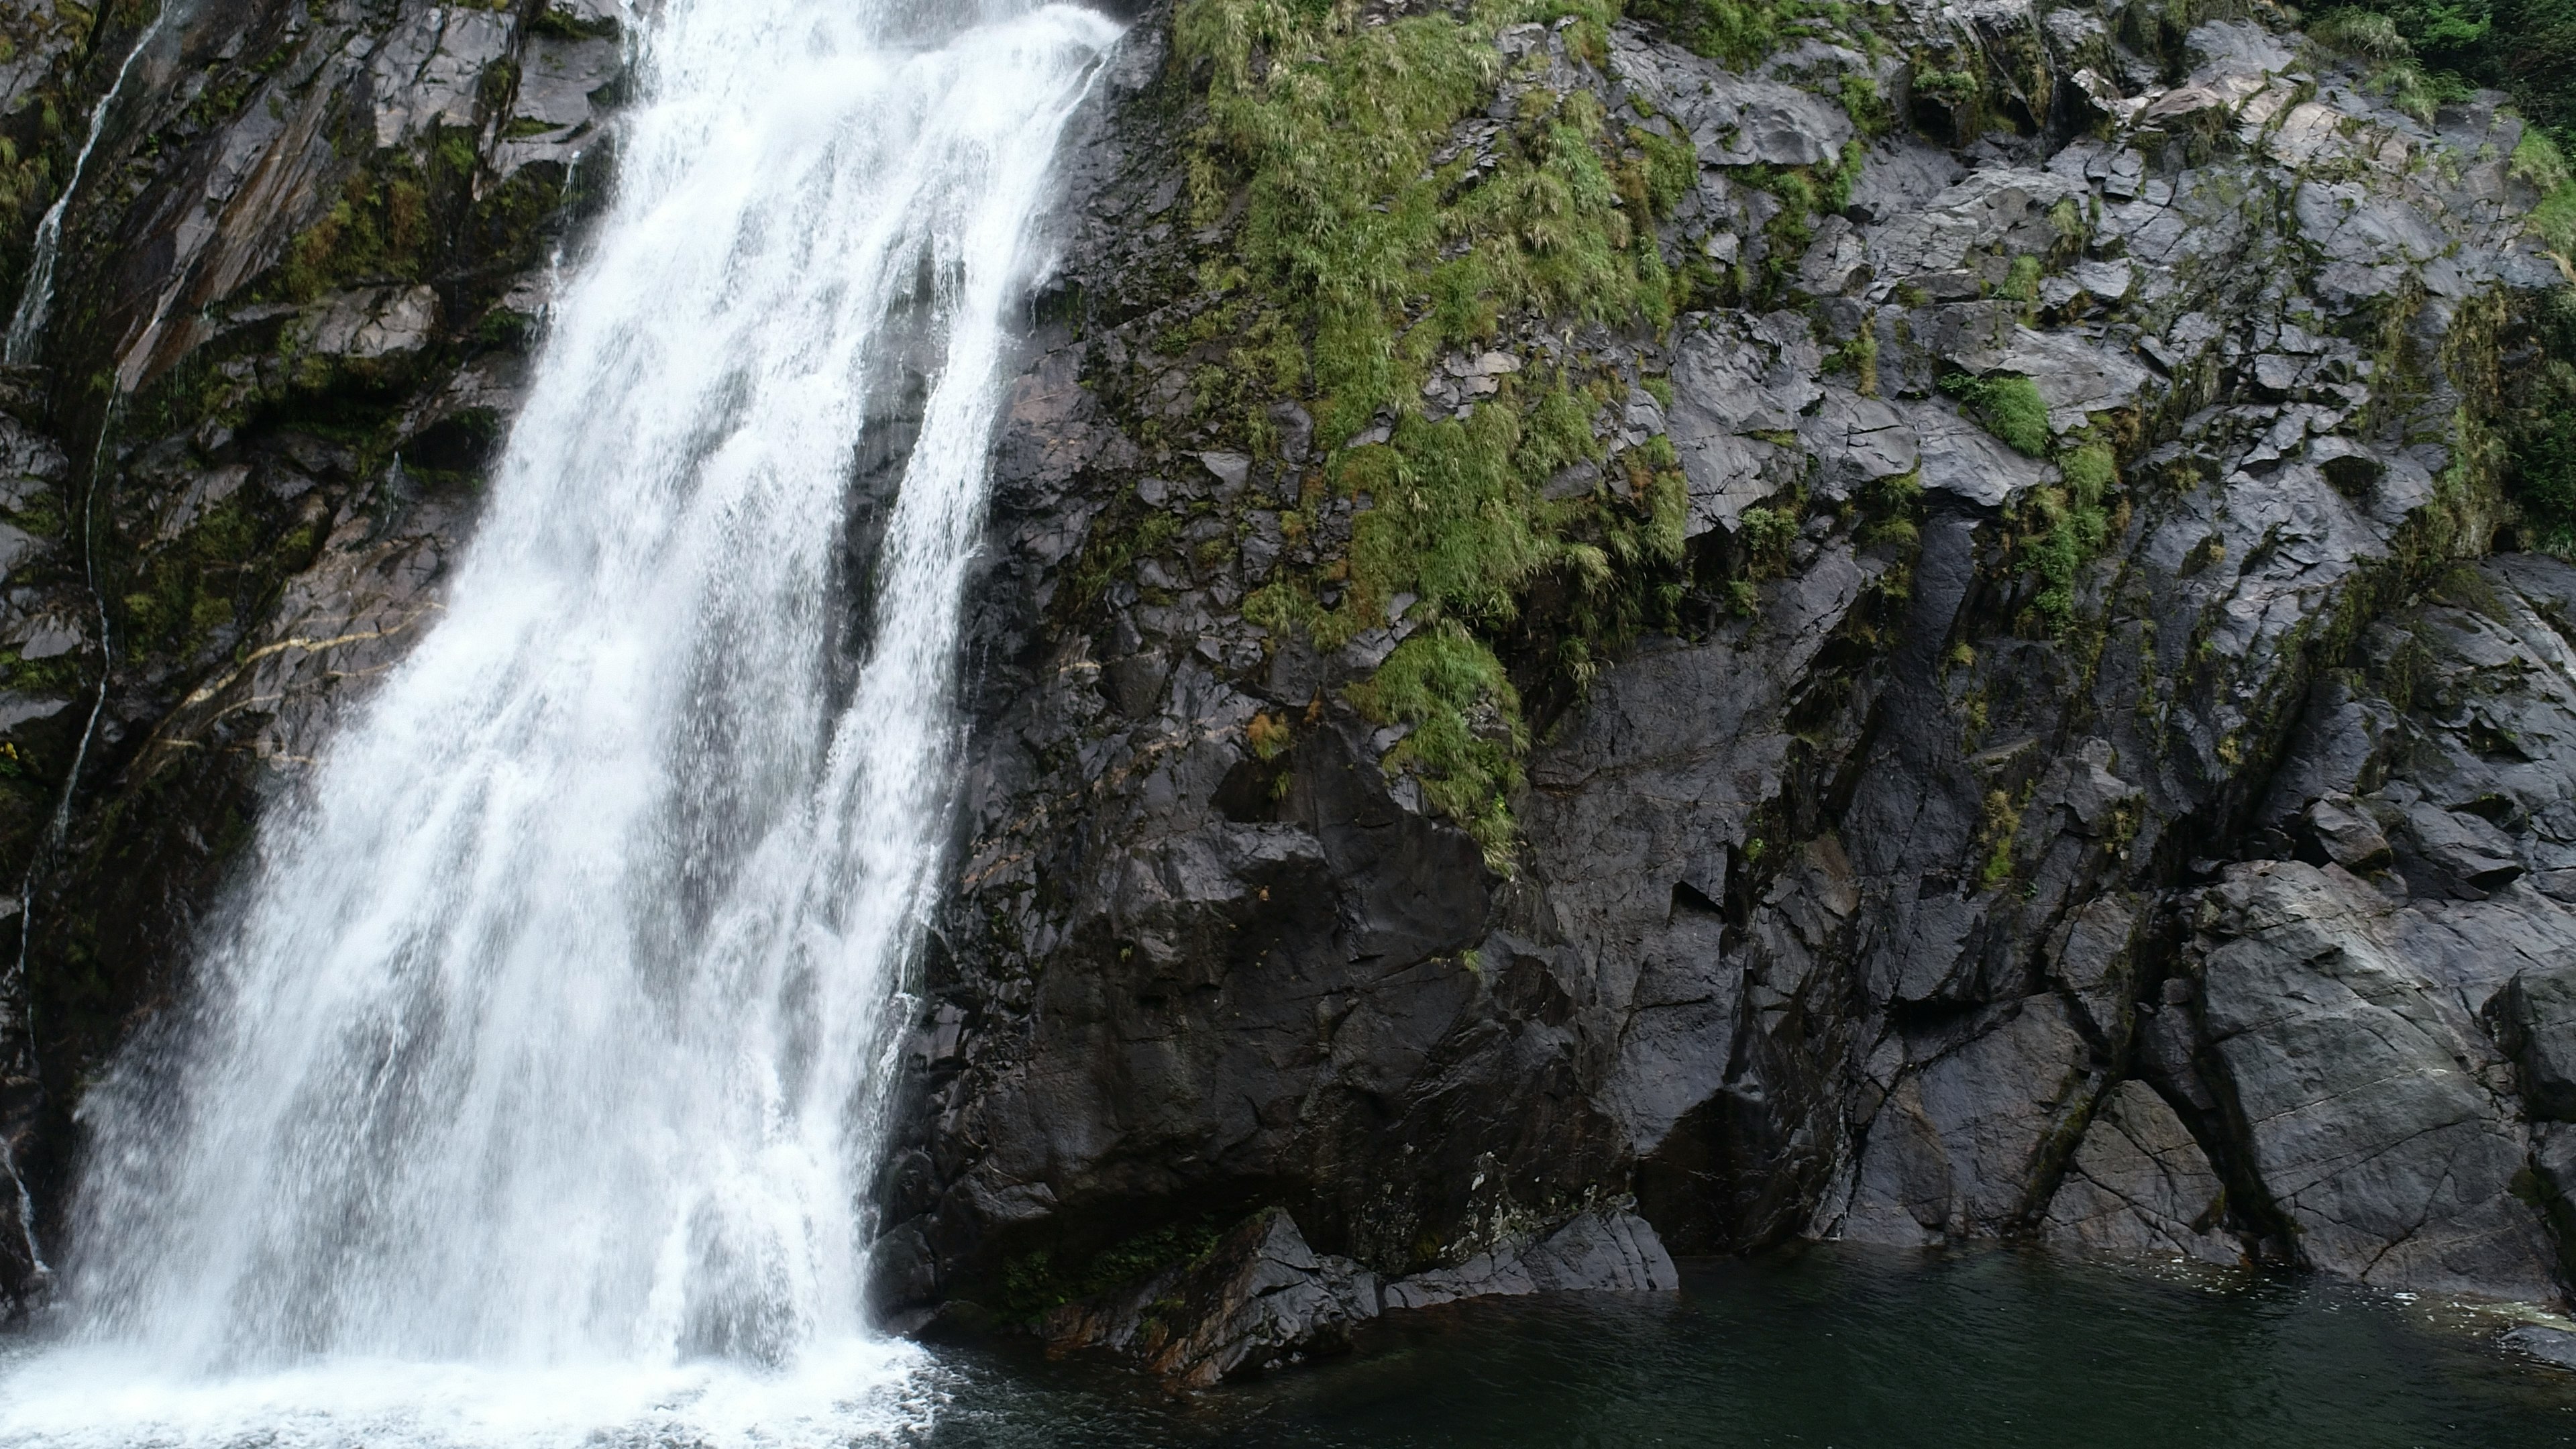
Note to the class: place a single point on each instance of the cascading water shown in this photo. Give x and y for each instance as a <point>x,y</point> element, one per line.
<point>532,1093</point>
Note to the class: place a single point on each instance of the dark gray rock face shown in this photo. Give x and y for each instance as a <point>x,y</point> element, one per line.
<point>2139,1186</point>
<point>1260,1297</point>
<point>2359,1081</point>
<point>1592,1252</point>
<point>2535,1023</point>
<point>2208,908</point>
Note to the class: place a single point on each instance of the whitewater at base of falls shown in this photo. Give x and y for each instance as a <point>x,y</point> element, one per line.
<point>532,1090</point>
<point>857,1389</point>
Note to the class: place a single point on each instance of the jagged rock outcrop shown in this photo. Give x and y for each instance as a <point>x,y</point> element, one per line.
<point>1259,1296</point>
<point>2001,838</point>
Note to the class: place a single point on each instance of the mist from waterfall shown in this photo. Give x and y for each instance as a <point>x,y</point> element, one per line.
<point>532,1091</point>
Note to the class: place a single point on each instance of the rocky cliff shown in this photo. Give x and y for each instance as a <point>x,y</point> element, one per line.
<point>1910,623</point>
<point>1889,630</point>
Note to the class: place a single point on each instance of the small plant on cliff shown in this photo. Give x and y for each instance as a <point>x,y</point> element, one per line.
<point>1467,737</point>
<point>1767,534</point>
<point>2066,527</point>
<point>2009,405</point>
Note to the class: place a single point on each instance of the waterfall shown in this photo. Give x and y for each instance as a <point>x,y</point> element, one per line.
<point>36,299</point>
<point>530,1093</point>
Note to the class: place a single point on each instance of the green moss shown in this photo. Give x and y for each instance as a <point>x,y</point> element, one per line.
<point>1370,255</point>
<point>1467,737</point>
<point>1117,544</point>
<point>1355,266</point>
<point>376,232</point>
<point>1034,1283</point>
<point>1458,520</point>
<point>187,590</point>
<point>565,23</point>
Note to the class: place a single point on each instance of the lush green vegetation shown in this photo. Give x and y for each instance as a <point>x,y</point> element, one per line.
<point>2430,51</point>
<point>1739,32</point>
<point>1357,266</point>
<point>2425,52</point>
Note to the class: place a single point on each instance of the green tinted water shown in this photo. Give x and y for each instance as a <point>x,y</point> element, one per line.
<point>1846,1348</point>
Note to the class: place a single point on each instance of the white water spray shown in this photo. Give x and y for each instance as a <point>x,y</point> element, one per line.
<point>36,300</point>
<point>533,1096</point>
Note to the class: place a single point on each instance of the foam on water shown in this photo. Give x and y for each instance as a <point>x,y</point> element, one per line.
<point>855,1390</point>
<point>531,1091</point>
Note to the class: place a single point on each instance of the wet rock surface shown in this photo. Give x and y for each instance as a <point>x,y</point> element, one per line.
<point>1259,1298</point>
<point>2549,1345</point>
<point>2168,914</point>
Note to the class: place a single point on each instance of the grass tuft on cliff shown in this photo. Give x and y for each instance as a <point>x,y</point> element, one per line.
<point>2010,407</point>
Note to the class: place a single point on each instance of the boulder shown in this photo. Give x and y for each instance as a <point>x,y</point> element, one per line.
<point>1258,1297</point>
<point>2139,1186</point>
<point>1616,1252</point>
<point>2393,1161</point>
<point>2549,1345</point>
<point>2535,1022</point>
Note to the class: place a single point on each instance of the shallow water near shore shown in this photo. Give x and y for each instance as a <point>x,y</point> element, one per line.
<point>1832,1347</point>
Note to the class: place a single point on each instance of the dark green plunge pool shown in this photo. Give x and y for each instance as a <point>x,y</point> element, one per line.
<point>1842,1347</point>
